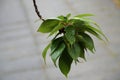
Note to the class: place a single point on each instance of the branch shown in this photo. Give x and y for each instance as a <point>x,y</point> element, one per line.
<point>37,12</point>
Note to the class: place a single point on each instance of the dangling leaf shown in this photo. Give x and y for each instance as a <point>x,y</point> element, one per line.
<point>55,43</point>
<point>57,52</point>
<point>82,48</point>
<point>88,41</point>
<point>45,51</point>
<point>70,34</point>
<point>65,62</point>
<point>84,15</point>
<point>74,51</point>
<point>48,25</point>
<point>82,55</point>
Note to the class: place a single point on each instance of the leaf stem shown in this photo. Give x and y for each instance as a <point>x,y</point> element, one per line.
<point>37,12</point>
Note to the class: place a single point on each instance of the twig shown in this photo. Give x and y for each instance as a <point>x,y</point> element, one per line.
<point>37,12</point>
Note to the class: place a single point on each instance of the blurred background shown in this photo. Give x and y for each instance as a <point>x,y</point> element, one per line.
<point>21,45</point>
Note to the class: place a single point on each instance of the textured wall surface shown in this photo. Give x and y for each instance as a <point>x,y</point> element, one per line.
<point>21,45</point>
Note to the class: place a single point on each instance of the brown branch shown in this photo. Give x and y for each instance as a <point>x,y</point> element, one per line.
<point>37,12</point>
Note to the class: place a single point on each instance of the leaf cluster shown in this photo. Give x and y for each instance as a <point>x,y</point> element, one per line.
<point>74,41</point>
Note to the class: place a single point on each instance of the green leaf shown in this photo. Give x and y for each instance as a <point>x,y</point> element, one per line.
<point>94,33</point>
<point>66,42</point>
<point>68,15</point>
<point>57,52</point>
<point>98,31</point>
<point>65,62</point>
<point>82,48</point>
<point>87,20</point>
<point>74,51</point>
<point>84,15</point>
<point>62,18</point>
<point>79,23</point>
<point>59,26</point>
<point>55,43</point>
<point>83,25</point>
<point>45,51</point>
<point>48,25</point>
<point>70,34</point>
<point>90,21</point>
<point>88,41</point>
<point>82,55</point>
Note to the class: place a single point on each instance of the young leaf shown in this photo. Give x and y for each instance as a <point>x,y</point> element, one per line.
<point>65,62</point>
<point>74,51</point>
<point>62,18</point>
<point>70,34</point>
<point>57,52</point>
<point>68,15</point>
<point>48,25</point>
<point>84,15</point>
<point>45,51</point>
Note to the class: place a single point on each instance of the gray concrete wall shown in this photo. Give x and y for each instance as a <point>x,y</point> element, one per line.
<point>21,45</point>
